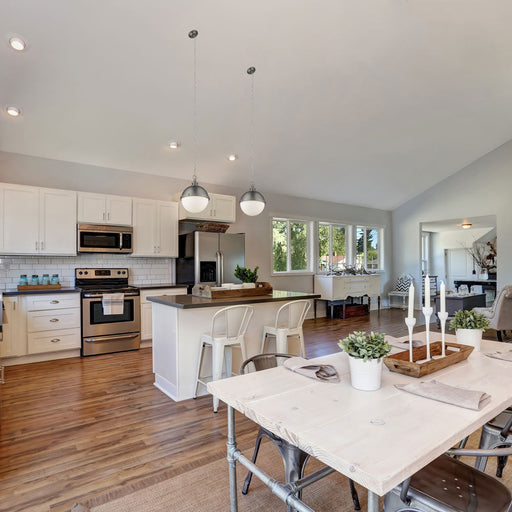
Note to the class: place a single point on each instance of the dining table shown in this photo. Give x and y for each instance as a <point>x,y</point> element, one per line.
<point>376,438</point>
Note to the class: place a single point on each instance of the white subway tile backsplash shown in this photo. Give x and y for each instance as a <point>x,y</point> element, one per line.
<point>142,270</point>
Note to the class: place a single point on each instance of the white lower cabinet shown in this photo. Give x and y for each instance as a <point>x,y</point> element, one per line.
<point>41,324</point>
<point>53,341</point>
<point>146,311</point>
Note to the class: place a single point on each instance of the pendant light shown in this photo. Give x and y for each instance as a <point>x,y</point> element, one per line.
<point>194,198</point>
<point>252,202</point>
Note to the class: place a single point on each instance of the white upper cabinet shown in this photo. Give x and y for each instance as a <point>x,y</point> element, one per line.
<point>57,222</point>
<point>221,208</point>
<point>102,209</point>
<point>37,220</point>
<point>155,228</point>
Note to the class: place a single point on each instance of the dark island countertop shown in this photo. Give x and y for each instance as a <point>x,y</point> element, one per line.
<point>40,292</point>
<point>192,302</point>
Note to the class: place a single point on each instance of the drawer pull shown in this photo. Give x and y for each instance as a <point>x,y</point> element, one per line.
<point>54,301</point>
<point>54,320</point>
<point>55,340</point>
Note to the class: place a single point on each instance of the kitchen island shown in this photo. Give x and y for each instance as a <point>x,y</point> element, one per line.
<point>180,320</point>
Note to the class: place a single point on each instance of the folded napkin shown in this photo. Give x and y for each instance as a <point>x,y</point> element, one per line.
<point>434,390</point>
<point>113,303</point>
<point>323,372</point>
<point>505,356</point>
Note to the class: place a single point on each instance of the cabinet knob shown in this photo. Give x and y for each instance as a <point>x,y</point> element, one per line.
<point>54,301</point>
<point>54,320</point>
<point>55,340</point>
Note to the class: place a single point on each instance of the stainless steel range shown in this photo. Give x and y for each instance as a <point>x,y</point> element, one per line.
<point>104,329</point>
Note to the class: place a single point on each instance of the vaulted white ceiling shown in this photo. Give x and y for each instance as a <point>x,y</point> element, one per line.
<point>365,102</point>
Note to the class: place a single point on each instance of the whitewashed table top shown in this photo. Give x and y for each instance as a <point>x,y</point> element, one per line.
<point>336,423</point>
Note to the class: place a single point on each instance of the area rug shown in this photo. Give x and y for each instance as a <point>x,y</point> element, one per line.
<point>206,489</point>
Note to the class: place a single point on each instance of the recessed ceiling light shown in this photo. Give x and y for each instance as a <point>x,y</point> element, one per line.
<point>174,145</point>
<point>16,43</point>
<point>466,225</point>
<point>13,111</point>
<point>232,158</point>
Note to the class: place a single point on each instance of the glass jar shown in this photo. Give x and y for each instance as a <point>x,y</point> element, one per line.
<point>55,279</point>
<point>35,280</point>
<point>23,280</point>
<point>45,279</point>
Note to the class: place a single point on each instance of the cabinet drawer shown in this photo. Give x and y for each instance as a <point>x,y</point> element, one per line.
<point>156,292</point>
<point>53,301</point>
<point>53,320</point>
<point>53,341</point>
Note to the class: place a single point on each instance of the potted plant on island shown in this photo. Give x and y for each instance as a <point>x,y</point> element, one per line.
<point>365,353</point>
<point>247,276</point>
<point>469,327</point>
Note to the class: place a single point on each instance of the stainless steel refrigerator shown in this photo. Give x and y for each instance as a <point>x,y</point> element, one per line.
<point>209,258</point>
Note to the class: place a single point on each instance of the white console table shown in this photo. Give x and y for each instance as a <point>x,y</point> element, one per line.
<point>337,289</point>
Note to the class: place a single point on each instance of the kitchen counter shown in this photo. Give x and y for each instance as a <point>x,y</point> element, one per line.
<point>180,320</point>
<point>191,302</point>
<point>40,292</point>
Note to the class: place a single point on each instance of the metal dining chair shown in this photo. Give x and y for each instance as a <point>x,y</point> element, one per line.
<point>294,458</point>
<point>449,485</point>
<point>227,330</point>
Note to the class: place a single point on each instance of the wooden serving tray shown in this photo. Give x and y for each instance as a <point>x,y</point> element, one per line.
<point>206,291</point>
<point>400,363</point>
<point>32,287</point>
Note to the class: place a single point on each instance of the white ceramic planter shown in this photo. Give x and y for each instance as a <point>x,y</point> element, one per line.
<point>365,375</point>
<point>248,285</point>
<point>471,337</point>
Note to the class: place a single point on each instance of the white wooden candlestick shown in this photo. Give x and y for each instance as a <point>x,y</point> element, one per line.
<point>427,311</point>
<point>410,322</point>
<point>443,316</point>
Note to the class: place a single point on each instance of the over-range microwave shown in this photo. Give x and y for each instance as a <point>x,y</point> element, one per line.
<point>105,238</point>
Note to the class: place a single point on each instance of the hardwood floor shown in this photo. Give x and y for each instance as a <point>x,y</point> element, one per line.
<point>76,427</point>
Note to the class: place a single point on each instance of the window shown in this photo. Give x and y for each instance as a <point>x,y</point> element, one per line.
<point>368,248</point>
<point>290,245</point>
<point>332,248</point>
<point>425,251</point>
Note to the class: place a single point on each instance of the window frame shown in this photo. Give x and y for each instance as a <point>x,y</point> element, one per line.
<point>380,246</point>
<point>331,225</point>
<point>309,250</point>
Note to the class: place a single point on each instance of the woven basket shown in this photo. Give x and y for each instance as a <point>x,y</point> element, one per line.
<point>212,227</point>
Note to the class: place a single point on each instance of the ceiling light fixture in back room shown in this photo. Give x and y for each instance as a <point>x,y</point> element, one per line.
<point>194,198</point>
<point>252,202</point>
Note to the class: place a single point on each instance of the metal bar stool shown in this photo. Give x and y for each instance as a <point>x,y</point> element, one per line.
<point>294,459</point>
<point>227,330</point>
<point>289,320</point>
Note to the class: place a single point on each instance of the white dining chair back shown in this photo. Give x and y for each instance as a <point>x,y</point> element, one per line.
<point>228,329</point>
<point>288,323</point>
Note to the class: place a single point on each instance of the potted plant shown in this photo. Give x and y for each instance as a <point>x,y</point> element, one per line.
<point>365,353</point>
<point>247,276</point>
<point>469,326</point>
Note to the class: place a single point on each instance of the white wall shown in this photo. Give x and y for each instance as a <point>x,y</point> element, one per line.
<point>36,171</point>
<point>482,188</point>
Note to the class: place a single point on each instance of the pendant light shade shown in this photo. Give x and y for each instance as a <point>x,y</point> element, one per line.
<point>252,202</point>
<point>194,198</point>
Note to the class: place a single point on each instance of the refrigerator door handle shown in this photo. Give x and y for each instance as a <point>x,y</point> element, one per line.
<point>218,282</point>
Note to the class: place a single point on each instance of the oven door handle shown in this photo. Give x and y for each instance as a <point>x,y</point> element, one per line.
<point>99,295</point>
<point>114,337</point>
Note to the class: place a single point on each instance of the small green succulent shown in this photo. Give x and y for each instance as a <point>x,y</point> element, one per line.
<point>365,346</point>
<point>468,319</point>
